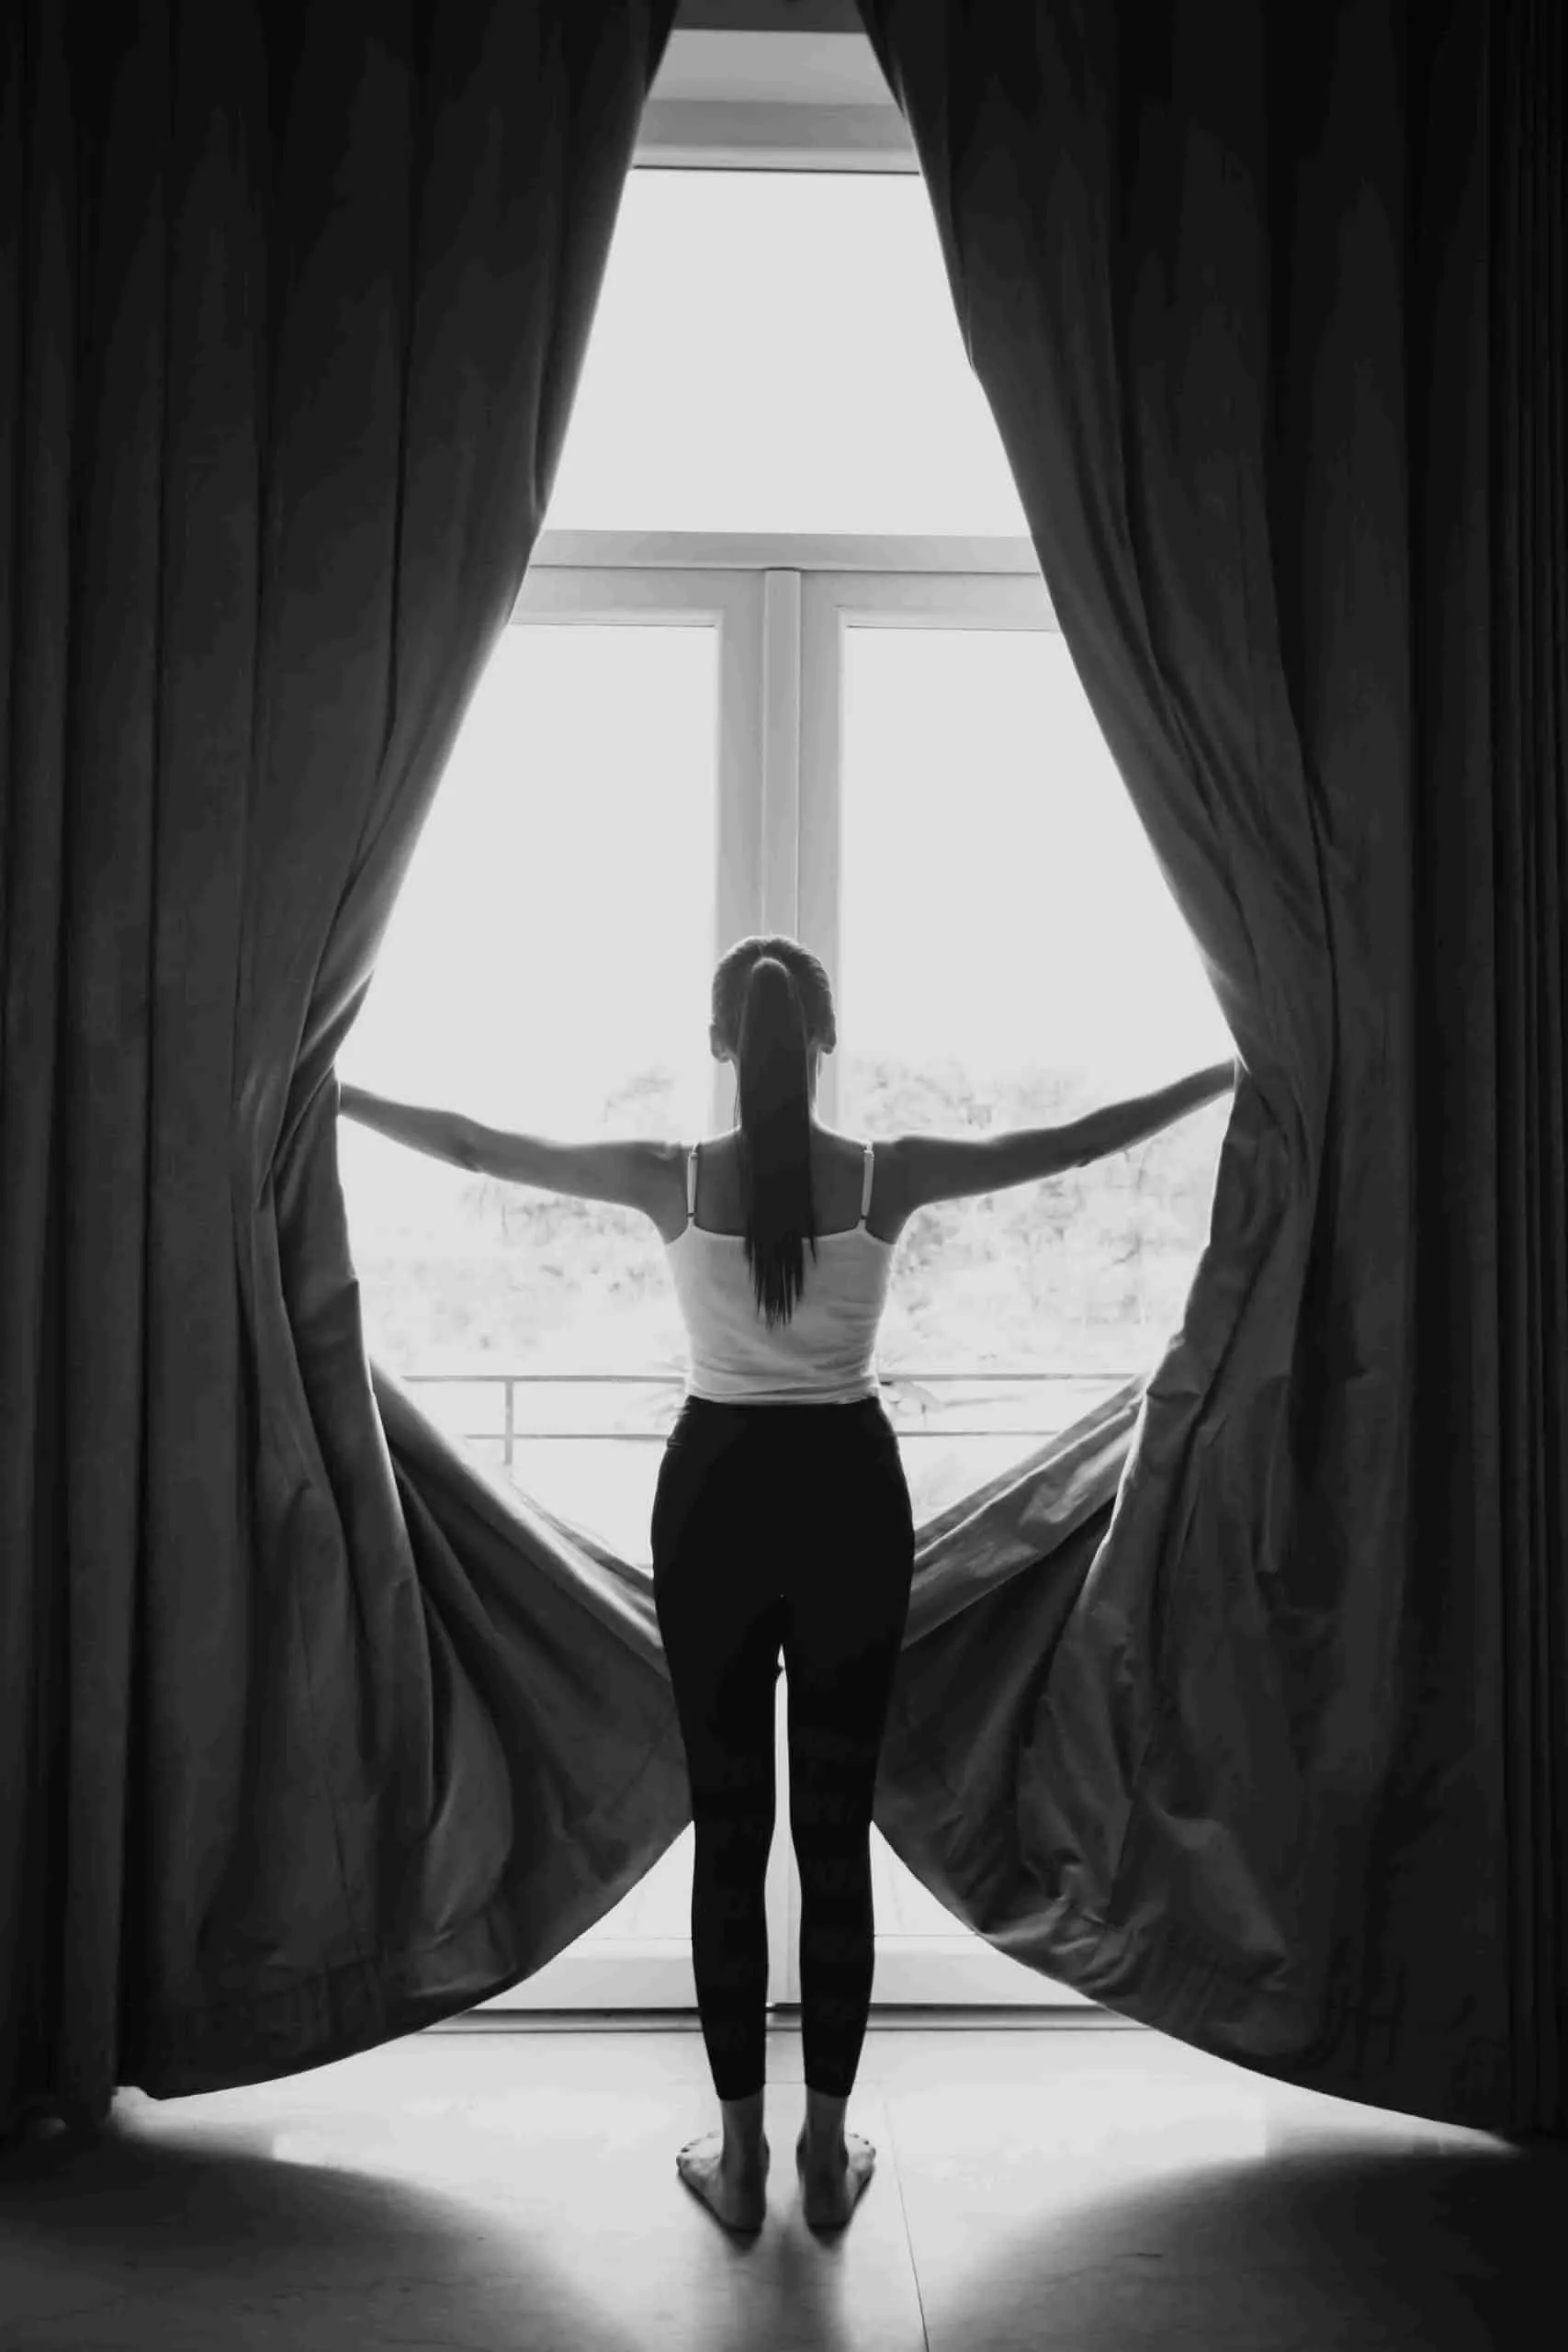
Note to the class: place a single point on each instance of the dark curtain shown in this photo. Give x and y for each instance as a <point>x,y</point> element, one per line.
<point>1269,305</point>
<point>317,1735</point>
<point>294,303</point>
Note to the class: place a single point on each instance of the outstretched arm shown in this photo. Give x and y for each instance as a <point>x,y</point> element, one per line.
<point>630,1173</point>
<point>1120,1125</point>
<point>444,1135</point>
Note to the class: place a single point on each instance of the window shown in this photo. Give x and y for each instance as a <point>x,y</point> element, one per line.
<point>783,660</point>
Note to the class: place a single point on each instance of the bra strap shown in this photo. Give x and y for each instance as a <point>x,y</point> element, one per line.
<point>865,1188</point>
<point>692,1185</point>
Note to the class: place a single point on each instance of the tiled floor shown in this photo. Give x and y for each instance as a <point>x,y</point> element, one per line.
<point>1071,2184</point>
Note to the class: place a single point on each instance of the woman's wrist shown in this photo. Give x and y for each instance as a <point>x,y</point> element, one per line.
<point>1200,1087</point>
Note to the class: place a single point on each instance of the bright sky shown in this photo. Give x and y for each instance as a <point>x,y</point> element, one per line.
<point>775,352</point>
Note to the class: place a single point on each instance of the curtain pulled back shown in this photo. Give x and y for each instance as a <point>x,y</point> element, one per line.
<point>1269,307</point>
<point>295,300</point>
<point>322,1735</point>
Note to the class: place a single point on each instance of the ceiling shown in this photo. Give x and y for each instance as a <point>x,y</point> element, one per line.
<point>769,17</point>
<point>780,69</point>
<point>735,91</point>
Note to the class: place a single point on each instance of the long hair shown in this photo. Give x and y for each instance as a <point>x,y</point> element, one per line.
<point>771,1003</point>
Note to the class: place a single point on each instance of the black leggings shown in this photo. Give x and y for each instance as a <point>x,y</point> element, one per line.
<point>792,1524</point>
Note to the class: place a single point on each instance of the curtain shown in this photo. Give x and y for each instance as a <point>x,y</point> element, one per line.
<point>1217,1707</point>
<point>1269,307</point>
<point>295,301</point>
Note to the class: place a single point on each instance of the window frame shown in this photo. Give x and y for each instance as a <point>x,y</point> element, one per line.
<point>621,587</point>
<point>832,602</point>
<point>781,603</point>
<point>749,85</point>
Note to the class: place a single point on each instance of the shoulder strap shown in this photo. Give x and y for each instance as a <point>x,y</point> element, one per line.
<point>690,1184</point>
<point>865,1188</point>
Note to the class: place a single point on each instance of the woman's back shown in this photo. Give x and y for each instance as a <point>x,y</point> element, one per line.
<point>824,1350</point>
<point>838,1176</point>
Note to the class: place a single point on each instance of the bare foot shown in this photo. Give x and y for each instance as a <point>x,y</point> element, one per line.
<point>829,2189</point>
<point>733,2189</point>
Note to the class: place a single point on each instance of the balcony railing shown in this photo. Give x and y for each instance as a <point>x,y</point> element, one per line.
<point>910,1398</point>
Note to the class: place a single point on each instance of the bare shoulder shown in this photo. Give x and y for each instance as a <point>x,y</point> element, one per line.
<point>892,1202</point>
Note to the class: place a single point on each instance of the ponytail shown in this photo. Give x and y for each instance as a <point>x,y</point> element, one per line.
<point>776,1136</point>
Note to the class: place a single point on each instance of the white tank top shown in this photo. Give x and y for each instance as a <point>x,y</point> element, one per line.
<point>823,1355</point>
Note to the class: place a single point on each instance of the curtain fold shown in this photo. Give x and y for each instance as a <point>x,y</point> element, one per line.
<point>321,1734</point>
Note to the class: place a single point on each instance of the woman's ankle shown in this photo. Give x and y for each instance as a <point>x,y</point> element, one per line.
<point>822,2134</point>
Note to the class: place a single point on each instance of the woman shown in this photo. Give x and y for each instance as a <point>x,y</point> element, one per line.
<point>782,1516</point>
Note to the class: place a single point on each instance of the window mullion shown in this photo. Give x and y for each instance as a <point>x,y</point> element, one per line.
<point>738,845</point>
<point>818,831</point>
<point>781,751</point>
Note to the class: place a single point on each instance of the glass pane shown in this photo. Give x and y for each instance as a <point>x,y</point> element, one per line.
<point>547,967</point>
<point>1011,955</point>
<point>778,351</point>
